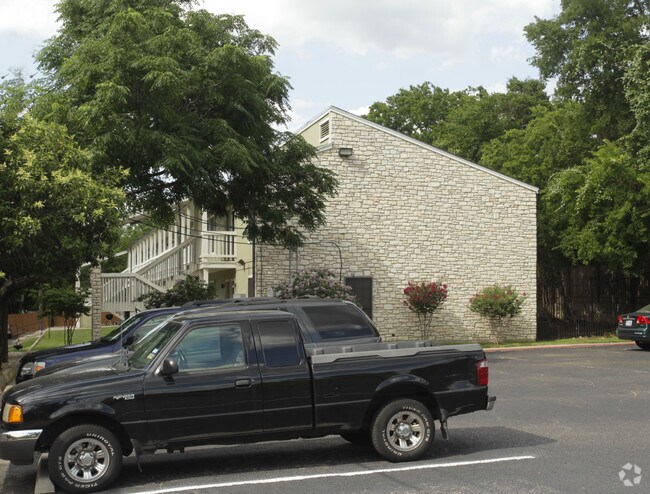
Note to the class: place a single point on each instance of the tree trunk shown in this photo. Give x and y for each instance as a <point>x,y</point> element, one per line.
<point>5,294</point>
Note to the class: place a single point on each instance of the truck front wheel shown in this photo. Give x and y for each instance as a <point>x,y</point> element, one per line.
<point>402,430</point>
<point>85,458</point>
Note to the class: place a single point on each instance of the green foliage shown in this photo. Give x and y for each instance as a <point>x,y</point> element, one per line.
<point>54,213</point>
<point>587,47</point>
<point>67,303</point>
<point>461,122</point>
<point>416,111</point>
<point>497,302</point>
<point>601,210</point>
<point>424,299</point>
<point>321,283</point>
<point>182,292</point>
<point>188,104</point>
<point>482,116</point>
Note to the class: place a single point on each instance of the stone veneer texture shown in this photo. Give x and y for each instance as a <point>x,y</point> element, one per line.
<point>405,212</point>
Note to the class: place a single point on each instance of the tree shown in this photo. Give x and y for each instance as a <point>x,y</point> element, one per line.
<point>482,116</point>
<point>188,104</point>
<point>66,303</point>
<point>424,299</point>
<point>601,210</point>
<point>54,214</point>
<point>461,122</point>
<point>415,111</point>
<point>588,47</point>
<point>182,292</point>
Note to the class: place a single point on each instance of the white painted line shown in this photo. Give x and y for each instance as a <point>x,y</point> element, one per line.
<point>358,473</point>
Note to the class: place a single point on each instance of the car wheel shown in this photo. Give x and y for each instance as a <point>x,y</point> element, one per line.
<point>403,430</point>
<point>357,438</point>
<point>85,458</point>
<point>643,345</point>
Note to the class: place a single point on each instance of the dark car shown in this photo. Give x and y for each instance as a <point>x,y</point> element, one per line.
<point>124,334</point>
<point>635,326</point>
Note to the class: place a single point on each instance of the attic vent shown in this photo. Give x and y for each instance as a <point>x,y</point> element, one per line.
<point>325,130</point>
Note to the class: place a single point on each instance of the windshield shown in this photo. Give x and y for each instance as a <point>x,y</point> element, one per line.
<point>115,334</point>
<point>150,347</point>
<point>644,309</point>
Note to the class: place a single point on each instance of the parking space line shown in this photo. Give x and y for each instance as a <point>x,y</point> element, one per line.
<point>356,473</point>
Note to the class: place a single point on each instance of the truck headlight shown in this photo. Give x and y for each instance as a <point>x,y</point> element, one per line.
<point>12,414</point>
<point>38,366</point>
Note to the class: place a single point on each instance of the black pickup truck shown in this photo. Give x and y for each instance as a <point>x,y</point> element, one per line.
<point>214,377</point>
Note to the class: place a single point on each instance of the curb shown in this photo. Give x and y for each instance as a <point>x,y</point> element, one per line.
<point>546,347</point>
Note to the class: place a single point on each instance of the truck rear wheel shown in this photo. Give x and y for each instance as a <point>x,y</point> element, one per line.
<point>643,345</point>
<point>402,430</point>
<point>85,458</point>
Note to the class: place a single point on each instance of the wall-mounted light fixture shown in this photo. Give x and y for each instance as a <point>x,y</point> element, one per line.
<point>345,152</point>
<point>241,262</point>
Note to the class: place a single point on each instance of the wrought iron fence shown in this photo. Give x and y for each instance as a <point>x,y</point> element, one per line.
<point>586,300</point>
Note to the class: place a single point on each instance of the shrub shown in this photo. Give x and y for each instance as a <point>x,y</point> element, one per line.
<point>497,303</point>
<point>321,283</point>
<point>183,291</point>
<point>424,299</point>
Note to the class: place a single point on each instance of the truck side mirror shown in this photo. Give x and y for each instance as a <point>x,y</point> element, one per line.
<point>169,367</point>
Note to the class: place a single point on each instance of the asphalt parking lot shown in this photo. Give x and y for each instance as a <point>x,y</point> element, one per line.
<point>566,420</point>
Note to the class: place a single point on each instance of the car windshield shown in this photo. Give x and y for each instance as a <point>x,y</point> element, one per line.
<point>126,325</point>
<point>644,309</point>
<point>150,347</point>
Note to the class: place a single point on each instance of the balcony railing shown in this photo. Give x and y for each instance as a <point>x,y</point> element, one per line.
<point>218,246</point>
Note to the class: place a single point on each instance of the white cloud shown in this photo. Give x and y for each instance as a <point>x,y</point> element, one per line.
<point>506,53</point>
<point>401,28</point>
<point>33,17</point>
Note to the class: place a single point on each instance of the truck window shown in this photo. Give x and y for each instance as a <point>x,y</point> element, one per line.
<point>210,347</point>
<point>279,344</point>
<point>338,321</point>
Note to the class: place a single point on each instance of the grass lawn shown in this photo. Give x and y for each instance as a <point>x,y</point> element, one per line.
<point>55,337</point>
<point>610,338</point>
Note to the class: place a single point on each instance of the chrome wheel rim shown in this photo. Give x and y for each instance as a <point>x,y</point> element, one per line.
<point>405,431</point>
<point>86,460</point>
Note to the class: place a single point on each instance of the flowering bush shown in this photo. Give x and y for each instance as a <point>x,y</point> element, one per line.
<point>424,299</point>
<point>315,282</point>
<point>496,303</point>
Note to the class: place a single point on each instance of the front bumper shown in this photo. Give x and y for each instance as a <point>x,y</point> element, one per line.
<point>18,447</point>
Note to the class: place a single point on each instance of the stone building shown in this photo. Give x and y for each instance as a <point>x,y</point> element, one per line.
<point>407,211</point>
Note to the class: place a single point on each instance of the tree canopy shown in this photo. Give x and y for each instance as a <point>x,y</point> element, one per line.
<point>55,213</point>
<point>187,103</point>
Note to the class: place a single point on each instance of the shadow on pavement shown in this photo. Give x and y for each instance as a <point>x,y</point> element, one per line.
<point>202,465</point>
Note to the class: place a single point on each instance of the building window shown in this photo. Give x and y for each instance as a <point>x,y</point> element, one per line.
<point>362,290</point>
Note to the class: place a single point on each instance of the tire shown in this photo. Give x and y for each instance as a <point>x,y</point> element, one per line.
<point>403,430</point>
<point>643,345</point>
<point>357,438</point>
<point>85,458</point>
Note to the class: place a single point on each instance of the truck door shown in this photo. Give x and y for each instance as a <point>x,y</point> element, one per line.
<point>286,379</point>
<point>217,391</point>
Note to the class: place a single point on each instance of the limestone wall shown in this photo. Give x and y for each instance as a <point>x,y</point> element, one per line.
<point>405,212</point>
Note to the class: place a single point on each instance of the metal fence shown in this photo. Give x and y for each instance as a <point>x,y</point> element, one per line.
<point>586,300</point>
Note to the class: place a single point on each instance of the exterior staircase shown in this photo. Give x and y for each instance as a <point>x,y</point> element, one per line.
<point>211,249</point>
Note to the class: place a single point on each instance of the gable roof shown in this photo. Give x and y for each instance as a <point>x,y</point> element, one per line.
<point>399,135</point>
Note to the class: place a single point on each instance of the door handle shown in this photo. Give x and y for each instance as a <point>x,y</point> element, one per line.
<point>243,383</point>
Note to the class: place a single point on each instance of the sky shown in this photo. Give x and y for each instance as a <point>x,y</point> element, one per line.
<point>348,53</point>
